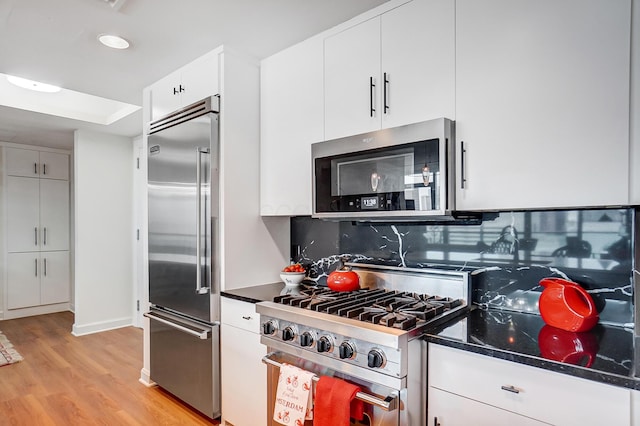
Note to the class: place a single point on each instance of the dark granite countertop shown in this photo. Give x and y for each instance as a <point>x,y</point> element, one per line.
<point>604,354</point>
<point>258,293</point>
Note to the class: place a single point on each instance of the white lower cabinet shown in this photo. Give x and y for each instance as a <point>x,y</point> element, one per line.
<point>455,410</point>
<point>37,278</point>
<point>635,407</point>
<point>244,376</point>
<point>467,388</point>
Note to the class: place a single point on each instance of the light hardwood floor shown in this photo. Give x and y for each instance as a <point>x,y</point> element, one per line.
<point>87,380</point>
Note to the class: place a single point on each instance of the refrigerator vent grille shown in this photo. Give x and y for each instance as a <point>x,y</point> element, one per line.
<point>187,113</point>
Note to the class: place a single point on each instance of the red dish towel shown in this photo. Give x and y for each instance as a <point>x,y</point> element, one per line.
<point>335,402</point>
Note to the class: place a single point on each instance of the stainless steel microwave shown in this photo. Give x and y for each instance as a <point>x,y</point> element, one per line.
<point>398,174</point>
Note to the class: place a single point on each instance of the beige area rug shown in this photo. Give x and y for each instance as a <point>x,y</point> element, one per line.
<point>8,355</point>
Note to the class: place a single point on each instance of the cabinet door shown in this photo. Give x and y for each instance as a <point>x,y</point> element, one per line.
<point>448,409</point>
<point>54,214</point>
<point>200,79</point>
<point>23,280</point>
<point>554,398</point>
<point>418,59</point>
<point>23,224</point>
<point>542,103</point>
<point>54,277</point>
<point>291,120</point>
<point>352,65</point>
<point>22,162</point>
<point>54,165</point>
<point>165,95</point>
<point>244,377</point>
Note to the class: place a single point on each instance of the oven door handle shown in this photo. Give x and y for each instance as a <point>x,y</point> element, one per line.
<point>390,403</point>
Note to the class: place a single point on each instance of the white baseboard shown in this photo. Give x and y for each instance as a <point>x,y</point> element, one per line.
<point>145,378</point>
<point>35,310</point>
<point>97,327</point>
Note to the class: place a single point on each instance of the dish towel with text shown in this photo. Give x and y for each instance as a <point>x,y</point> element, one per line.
<point>294,399</point>
<point>335,402</point>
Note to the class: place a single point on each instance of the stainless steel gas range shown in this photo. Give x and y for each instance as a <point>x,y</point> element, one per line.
<point>370,337</point>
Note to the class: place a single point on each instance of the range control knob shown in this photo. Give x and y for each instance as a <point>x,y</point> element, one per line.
<point>324,344</point>
<point>346,350</point>
<point>269,328</point>
<point>375,359</point>
<point>306,339</point>
<point>288,333</point>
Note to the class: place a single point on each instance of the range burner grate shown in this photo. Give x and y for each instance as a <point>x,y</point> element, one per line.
<point>391,308</point>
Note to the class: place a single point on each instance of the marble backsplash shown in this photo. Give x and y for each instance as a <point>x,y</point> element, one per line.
<point>507,256</point>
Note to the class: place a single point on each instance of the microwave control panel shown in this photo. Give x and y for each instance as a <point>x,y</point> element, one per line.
<point>375,202</point>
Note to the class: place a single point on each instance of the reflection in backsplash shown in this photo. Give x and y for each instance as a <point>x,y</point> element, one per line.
<point>508,256</point>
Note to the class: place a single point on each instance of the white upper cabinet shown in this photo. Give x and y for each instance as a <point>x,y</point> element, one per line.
<point>291,120</point>
<point>189,84</point>
<point>418,58</point>
<point>542,103</point>
<point>393,69</point>
<point>352,80</point>
<point>32,163</point>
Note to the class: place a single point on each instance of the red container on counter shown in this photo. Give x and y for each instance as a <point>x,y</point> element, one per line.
<point>566,305</point>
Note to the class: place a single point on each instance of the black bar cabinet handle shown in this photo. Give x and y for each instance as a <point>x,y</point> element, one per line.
<point>384,93</point>
<point>463,154</point>
<point>435,422</point>
<point>372,86</point>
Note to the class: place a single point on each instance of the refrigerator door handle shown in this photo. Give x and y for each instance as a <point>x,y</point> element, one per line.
<point>200,289</point>
<point>201,334</point>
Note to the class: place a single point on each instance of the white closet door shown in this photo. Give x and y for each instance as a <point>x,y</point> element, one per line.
<point>23,280</point>
<point>54,277</point>
<point>54,165</point>
<point>22,162</point>
<point>54,214</point>
<point>23,229</point>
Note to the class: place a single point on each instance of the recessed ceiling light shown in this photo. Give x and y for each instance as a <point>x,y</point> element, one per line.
<point>113,41</point>
<point>32,85</point>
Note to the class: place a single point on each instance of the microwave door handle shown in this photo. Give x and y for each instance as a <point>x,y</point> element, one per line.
<point>199,288</point>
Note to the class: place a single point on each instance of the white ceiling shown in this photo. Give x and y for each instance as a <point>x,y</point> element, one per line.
<point>54,42</point>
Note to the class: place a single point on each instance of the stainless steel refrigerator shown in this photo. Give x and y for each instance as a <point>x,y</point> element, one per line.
<point>183,161</point>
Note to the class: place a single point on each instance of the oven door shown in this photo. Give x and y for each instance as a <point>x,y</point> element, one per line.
<point>382,404</point>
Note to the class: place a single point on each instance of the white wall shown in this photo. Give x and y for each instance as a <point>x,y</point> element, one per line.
<point>103,225</point>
